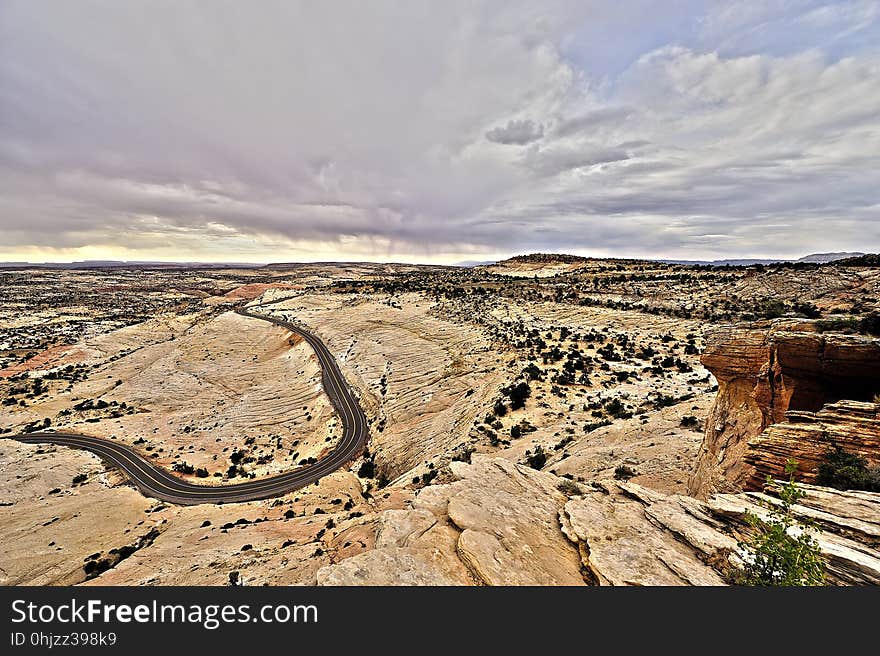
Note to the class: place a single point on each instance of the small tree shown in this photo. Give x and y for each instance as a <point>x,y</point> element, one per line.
<point>781,551</point>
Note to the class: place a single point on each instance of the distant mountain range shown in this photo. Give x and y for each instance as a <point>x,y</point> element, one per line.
<point>814,258</point>
<point>474,263</point>
<point>120,264</point>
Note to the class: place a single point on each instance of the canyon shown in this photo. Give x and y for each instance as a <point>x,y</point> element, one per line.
<point>565,421</point>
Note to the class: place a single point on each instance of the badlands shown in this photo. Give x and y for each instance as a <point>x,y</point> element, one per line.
<point>545,420</point>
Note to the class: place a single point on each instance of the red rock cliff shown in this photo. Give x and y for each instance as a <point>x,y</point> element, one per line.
<point>763,371</point>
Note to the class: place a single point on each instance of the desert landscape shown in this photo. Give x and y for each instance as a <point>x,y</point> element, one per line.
<point>540,420</point>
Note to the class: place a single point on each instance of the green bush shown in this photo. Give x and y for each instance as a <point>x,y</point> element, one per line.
<point>846,471</point>
<point>780,551</point>
<point>772,309</point>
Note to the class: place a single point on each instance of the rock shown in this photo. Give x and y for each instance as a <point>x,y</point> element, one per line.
<point>622,544</point>
<point>847,527</point>
<point>763,372</point>
<point>510,529</point>
<point>497,524</point>
<point>406,566</point>
<point>853,426</point>
<point>629,535</point>
<point>398,528</point>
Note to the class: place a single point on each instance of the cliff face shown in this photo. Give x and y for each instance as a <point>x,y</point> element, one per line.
<point>763,372</point>
<point>854,426</point>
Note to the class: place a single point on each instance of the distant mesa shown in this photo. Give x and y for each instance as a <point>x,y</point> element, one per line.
<point>821,258</point>
<point>852,259</point>
<point>545,258</point>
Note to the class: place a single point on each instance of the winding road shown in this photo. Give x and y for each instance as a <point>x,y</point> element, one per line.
<point>158,483</point>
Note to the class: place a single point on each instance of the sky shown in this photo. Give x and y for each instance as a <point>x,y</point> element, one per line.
<point>427,131</point>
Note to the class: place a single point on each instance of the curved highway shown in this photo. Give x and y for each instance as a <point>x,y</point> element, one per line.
<point>155,482</point>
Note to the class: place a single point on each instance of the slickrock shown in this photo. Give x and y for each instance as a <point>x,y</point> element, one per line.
<point>763,372</point>
<point>630,535</point>
<point>847,531</point>
<point>508,515</point>
<point>853,426</point>
<point>496,525</point>
<point>423,380</point>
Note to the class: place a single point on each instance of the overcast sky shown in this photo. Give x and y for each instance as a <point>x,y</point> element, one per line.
<point>437,131</point>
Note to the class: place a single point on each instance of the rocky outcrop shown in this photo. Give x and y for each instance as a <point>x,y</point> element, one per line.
<point>763,372</point>
<point>497,524</point>
<point>806,436</point>
<point>504,524</point>
<point>630,535</point>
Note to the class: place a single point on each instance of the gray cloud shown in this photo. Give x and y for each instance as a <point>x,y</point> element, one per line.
<point>592,120</point>
<point>172,130</point>
<point>516,132</point>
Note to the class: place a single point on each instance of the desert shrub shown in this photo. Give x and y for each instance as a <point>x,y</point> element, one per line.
<point>463,454</point>
<point>617,409</point>
<point>844,471</point>
<point>518,393</point>
<point>537,459</point>
<point>367,469</point>
<point>569,488</point>
<point>184,468</point>
<point>689,421</point>
<point>771,309</point>
<point>623,472</point>
<point>596,425</point>
<point>780,551</point>
<point>874,478</point>
<point>79,478</point>
<point>870,325</point>
<point>534,372</point>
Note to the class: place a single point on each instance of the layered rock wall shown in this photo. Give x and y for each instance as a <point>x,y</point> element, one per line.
<point>851,425</point>
<point>763,372</point>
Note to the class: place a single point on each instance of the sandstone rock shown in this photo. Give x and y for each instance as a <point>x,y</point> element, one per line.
<point>763,372</point>
<point>387,567</point>
<point>847,532</point>
<point>498,524</point>
<point>629,535</point>
<point>511,536</point>
<point>851,425</point>
<point>621,544</point>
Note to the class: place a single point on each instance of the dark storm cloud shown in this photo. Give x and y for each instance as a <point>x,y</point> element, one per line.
<point>284,130</point>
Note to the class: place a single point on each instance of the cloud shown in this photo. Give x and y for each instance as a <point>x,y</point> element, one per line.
<point>375,129</point>
<point>592,120</point>
<point>516,132</point>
